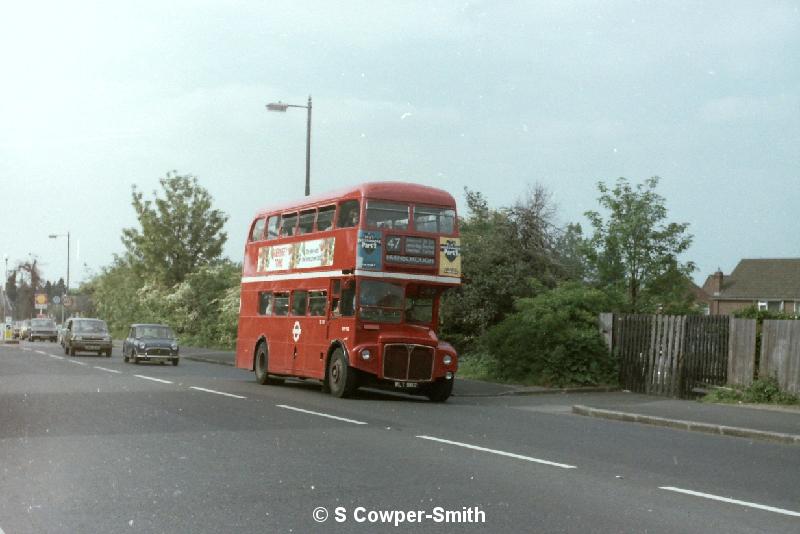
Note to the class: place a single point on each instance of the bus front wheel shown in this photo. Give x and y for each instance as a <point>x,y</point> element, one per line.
<point>342,379</point>
<point>440,390</point>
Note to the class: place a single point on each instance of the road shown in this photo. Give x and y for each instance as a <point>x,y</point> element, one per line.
<point>91,444</point>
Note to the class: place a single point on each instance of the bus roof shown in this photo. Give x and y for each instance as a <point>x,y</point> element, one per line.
<point>397,191</point>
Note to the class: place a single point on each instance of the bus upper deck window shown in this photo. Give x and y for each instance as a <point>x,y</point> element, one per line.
<point>306,225</point>
<point>272,227</point>
<point>288,223</point>
<point>387,215</point>
<point>257,233</point>
<point>325,218</point>
<point>348,214</point>
<point>438,220</point>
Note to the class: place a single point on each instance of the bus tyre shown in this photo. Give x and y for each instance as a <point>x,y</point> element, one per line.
<point>440,390</point>
<point>342,379</point>
<point>262,364</point>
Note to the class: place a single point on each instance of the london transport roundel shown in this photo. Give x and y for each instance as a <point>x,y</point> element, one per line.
<point>296,331</point>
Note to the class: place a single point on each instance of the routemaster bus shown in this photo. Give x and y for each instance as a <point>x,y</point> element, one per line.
<point>346,287</point>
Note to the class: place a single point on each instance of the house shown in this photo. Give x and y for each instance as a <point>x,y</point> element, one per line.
<point>769,284</point>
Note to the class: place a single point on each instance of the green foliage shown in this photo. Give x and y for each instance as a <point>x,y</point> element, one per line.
<point>553,339</point>
<point>506,254</point>
<point>752,312</point>
<point>475,365</point>
<point>172,272</point>
<point>761,391</point>
<point>633,251</point>
<point>115,294</point>
<point>203,309</point>
<point>179,232</point>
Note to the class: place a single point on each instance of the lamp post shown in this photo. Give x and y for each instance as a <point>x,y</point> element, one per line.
<point>280,106</point>
<point>66,289</point>
<point>5,283</point>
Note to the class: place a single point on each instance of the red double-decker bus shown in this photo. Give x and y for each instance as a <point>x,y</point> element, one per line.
<point>345,288</point>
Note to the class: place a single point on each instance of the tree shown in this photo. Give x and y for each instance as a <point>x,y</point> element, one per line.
<point>634,248</point>
<point>507,253</point>
<point>179,232</point>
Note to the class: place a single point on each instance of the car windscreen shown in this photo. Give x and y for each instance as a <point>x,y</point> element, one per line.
<point>94,327</point>
<point>161,332</point>
<point>42,323</point>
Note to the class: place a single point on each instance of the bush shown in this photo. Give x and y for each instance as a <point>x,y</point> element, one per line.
<point>761,391</point>
<point>553,339</point>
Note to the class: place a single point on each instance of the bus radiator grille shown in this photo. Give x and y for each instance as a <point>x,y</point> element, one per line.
<point>407,362</point>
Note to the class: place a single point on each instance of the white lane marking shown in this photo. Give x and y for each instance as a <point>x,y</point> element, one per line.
<point>108,370</point>
<point>43,353</point>
<point>154,379</point>
<point>732,501</point>
<point>56,357</point>
<point>217,392</point>
<point>501,453</point>
<point>76,362</point>
<point>321,414</point>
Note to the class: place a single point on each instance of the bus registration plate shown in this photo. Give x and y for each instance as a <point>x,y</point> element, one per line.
<point>410,385</point>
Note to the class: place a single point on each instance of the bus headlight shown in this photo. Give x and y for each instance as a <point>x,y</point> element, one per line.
<point>366,355</point>
<point>447,360</point>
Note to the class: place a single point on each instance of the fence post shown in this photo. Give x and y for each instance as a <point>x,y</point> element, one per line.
<point>606,325</point>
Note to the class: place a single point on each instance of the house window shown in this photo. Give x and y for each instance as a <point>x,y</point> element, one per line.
<point>770,305</point>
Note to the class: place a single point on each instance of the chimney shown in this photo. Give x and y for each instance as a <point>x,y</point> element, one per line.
<point>716,283</point>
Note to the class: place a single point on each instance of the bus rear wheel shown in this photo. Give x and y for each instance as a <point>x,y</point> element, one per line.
<point>261,366</point>
<point>342,379</point>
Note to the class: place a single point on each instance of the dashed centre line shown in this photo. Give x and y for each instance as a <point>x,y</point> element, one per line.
<point>154,379</point>
<point>500,453</point>
<point>76,362</point>
<point>731,501</point>
<point>43,353</point>
<point>56,357</point>
<point>320,414</point>
<point>108,370</point>
<point>217,392</point>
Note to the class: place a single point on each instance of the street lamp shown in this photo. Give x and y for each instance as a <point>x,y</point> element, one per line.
<point>5,283</point>
<point>280,106</point>
<point>66,290</point>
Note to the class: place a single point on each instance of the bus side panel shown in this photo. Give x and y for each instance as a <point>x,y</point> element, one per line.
<point>245,336</point>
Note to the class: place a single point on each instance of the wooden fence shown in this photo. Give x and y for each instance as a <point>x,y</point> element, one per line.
<point>676,355</point>
<point>780,353</point>
<point>671,355</point>
<point>741,352</point>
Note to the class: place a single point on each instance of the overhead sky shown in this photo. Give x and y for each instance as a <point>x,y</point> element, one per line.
<point>495,96</point>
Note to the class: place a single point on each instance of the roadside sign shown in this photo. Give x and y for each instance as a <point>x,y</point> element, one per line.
<point>67,301</point>
<point>40,300</point>
<point>56,300</point>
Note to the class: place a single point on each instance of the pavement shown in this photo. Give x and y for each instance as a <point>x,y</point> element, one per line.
<point>763,422</point>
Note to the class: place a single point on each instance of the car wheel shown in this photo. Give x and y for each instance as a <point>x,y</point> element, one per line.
<point>71,350</point>
<point>175,361</point>
<point>440,390</point>
<point>124,357</point>
<point>342,379</point>
<point>108,353</point>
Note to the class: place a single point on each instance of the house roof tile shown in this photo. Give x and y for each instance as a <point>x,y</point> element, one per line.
<point>763,279</point>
